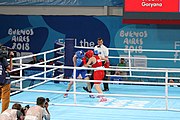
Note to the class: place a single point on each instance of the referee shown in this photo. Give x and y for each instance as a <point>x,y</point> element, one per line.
<point>103,52</point>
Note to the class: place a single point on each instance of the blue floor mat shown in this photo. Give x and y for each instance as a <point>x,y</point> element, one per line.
<point>81,113</point>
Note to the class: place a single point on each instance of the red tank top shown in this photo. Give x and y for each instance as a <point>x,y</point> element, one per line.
<point>98,62</point>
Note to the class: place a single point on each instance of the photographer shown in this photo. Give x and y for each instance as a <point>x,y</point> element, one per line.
<point>5,68</point>
<point>39,111</point>
<point>12,114</point>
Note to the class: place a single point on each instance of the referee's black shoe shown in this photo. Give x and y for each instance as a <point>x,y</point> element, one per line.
<point>106,90</point>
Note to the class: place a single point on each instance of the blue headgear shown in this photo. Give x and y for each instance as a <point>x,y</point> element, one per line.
<point>96,52</point>
<point>80,54</point>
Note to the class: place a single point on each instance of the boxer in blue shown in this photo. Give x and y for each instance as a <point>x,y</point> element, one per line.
<point>79,60</point>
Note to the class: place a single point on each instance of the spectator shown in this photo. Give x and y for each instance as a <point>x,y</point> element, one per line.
<point>121,65</point>
<point>12,114</point>
<point>34,60</point>
<point>50,63</point>
<point>172,83</point>
<point>41,60</point>
<point>39,111</point>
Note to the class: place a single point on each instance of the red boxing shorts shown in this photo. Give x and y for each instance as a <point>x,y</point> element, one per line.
<point>98,75</point>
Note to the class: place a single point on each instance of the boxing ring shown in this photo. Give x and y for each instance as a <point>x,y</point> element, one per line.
<point>136,97</point>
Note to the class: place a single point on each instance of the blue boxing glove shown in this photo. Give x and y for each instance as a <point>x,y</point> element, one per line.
<point>79,62</point>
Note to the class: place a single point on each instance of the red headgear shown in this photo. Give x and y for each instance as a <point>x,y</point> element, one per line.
<point>89,53</point>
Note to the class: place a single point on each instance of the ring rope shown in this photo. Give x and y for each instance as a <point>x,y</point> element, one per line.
<point>81,80</point>
<point>166,77</point>
<point>122,49</point>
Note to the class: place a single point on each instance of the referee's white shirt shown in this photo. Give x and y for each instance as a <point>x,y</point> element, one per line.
<point>102,50</point>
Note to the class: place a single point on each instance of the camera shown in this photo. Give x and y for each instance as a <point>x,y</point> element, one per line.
<point>5,52</point>
<point>47,101</point>
<point>24,109</point>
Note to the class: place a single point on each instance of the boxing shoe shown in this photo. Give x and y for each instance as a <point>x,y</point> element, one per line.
<point>105,90</point>
<point>65,95</point>
<point>91,96</point>
<point>103,99</point>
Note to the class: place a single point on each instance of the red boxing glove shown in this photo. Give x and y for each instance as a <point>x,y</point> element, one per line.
<point>106,64</point>
<point>84,60</point>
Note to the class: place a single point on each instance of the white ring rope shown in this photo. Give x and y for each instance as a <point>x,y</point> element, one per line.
<point>42,53</point>
<point>37,74</point>
<point>143,50</point>
<point>149,68</point>
<point>109,69</point>
<point>122,49</point>
<point>90,106</point>
<point>132,58</point>
<point>165,76</point>
<point>80,80</point>
<point>30,65</point>
<point>83,93</point>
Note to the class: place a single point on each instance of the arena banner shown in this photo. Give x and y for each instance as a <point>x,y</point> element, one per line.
<point>33,34</point>
<point>152,6</point>
<point>64,2</point>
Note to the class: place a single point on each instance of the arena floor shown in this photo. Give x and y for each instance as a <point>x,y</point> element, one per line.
<point>82,113</point>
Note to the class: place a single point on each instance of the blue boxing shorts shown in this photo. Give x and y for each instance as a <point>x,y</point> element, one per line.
<point>83,73</point>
